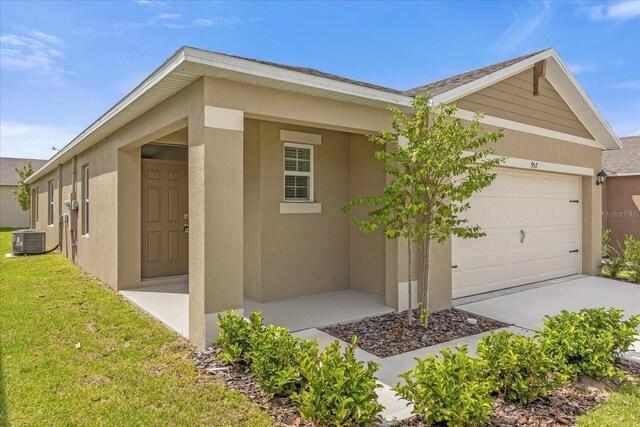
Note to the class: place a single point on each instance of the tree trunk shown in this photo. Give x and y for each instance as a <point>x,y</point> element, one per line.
<point>425,280</point>
<point>410,311</point>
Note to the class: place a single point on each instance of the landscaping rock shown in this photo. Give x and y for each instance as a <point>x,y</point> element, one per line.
<point>238,377</point>
<point>388,334</point>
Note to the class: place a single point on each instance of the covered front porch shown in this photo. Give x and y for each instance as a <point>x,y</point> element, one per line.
<point>170,305</point>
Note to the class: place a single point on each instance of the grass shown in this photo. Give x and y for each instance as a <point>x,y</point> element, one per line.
<point>622,409</point>
<point>75,353</point>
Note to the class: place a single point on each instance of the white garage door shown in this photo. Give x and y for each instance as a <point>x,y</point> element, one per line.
<point>532,222</point>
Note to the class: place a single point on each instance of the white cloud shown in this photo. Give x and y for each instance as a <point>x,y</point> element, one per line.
<point>580,68</point>
<point>47,38</point>
<point>168,16</point>
<point>523,25</point>
<point>629,85</point>
<point>615,10</point>
<point>36,52</point>
<point>33,140</point>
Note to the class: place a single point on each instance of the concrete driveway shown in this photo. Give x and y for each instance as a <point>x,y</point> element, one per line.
<point>526,309</point>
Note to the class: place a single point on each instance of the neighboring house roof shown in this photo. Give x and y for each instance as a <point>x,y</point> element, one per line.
<point>189,64</point>
<point>8,166</point>
<point>625,161</point>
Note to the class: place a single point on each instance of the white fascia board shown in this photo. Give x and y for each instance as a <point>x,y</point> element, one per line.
<point>63,155</point>
<point>273,72</point>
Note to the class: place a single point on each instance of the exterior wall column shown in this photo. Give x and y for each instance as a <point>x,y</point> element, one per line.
<point>215,219</point>
<point>129,214</point>
<point>591,225</point>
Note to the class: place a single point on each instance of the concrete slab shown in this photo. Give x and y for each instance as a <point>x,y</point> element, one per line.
<point>318,310</point>
<point>527,308</point>
<point>167,303</point>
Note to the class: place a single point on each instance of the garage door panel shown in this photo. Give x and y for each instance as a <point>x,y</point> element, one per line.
<point>538,204</point>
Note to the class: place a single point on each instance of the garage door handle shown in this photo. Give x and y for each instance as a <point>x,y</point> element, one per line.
<point>454,266</point>
<point>523,235</point>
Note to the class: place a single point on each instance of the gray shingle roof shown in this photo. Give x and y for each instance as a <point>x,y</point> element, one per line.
<point>8,165</point>
<point>433,89</point>
<point>318,73</point>
<point>625,160</point>
<point>445,85</point>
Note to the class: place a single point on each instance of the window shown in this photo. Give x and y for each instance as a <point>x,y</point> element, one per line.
<point>85,200</point>
<point>50,203</point>
<point>298,173</point>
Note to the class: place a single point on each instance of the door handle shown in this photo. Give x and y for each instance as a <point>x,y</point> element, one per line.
<point>523,235</point>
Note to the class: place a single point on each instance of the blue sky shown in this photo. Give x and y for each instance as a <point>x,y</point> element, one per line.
<point>63,64</point>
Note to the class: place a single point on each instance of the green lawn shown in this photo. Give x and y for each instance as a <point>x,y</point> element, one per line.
<point>621,410</point>
<point>128,369</point>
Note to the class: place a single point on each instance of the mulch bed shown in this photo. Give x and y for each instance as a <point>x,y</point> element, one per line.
<point>238,377</point>
<point>561,408</point>
<point>388,334</point>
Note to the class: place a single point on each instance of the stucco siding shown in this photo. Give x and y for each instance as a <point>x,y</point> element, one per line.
<point>513,99</point>
<point>366,251</point>
<point>11,214</point>
<point>252,210</point>
<point>621,207</point>
<point>304,253</point>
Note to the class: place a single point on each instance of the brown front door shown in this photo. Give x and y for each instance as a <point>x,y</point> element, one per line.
<point>165,246</point>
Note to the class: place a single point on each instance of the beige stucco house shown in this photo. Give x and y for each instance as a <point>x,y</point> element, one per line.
<point>621,190</point>
<point>11,214</point>
<point>259,157</point>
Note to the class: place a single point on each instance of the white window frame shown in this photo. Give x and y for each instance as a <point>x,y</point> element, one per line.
<point>50,202</point>
<point>36,204</point>
<point>298,173</point>
<point>85,200</point>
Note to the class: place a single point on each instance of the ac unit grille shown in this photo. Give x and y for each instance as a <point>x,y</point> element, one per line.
<point>29,241</point>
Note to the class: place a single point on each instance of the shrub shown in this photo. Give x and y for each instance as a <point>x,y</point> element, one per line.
<point>632,256</point>
<point>340,390</point>
<point>616,264</point>
<point>451,390</point>
<point>234,338</point>
<point>606,242</point>
<point>588,342</point>
<point>517,367</point>
<point>274,356</point>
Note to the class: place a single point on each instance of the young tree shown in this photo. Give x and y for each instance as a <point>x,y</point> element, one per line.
<point>23,193</point>
<point>436,167</point>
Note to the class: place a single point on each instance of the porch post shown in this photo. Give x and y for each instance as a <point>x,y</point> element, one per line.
<point>215,219</point>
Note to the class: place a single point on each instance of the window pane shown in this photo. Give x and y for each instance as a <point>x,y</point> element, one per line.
<point>290,165</point>
<point>290,152</point>
<point>289,192</point>
<point>302,193</point>
<point>304,153</point>
<point>304,166</point>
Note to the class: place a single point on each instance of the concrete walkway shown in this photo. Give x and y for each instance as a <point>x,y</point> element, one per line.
<point>523,310</point>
